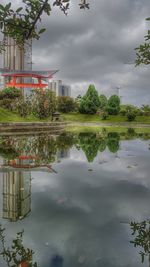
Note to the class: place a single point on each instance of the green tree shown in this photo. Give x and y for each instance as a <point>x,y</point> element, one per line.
<point>143,51</point>
<point>113,106</point>
<point>22,23</point>
<point>66,104</point>
<point>90,101</point>
<point>103,102</point>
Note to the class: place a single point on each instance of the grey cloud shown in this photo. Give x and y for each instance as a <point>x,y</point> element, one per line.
<point>95,46</point>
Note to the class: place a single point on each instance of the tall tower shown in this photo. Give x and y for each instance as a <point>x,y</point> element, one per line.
<point>16,58</point>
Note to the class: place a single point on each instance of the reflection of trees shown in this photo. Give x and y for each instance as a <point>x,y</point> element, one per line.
<point>89,143</point>
<point>142,237</point>
<point>113,142</point>
<point>16,254</point>
<point>102,144</point>
<point>66,140</point>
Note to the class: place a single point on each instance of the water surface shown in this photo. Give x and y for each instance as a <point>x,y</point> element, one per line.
<point>75,196</point>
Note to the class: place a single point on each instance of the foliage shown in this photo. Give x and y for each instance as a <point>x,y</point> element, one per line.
<point>21,23</point>
<point>113,142</point>
<point>113,106</point>
<point>89,143</point>
<point>90,101</point>
<point>142,238</point>
<point>131,116</point>
<point>43,103</point>
<point>124,109</point>
<point>66,104</point>
<point>102,144</point>
<point>143,51</point>
<point>104,115</point>
<point>65,141</point>
<point>17,253</point>
<point>24,106</point>
<point>146,110</point>
<point>131,112</point>
<point>103,102</point>
<point>10,93</point>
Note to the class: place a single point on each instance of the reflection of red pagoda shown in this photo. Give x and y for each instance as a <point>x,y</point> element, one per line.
<point>17,74</point>
<point>23,264</point>
<point>26,162</point>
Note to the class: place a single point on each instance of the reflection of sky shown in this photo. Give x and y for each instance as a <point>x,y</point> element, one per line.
<point>81,215</point>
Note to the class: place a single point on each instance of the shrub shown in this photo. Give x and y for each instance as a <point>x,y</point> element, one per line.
<point>89,103</point>
<point>10,93</point>
<point>103,102</point>
<point>113,106</point>
<point>104,115</point>
<point>131,115</point>
<point>66,104</point>
<point>24,107</point>
<point>43,103</point>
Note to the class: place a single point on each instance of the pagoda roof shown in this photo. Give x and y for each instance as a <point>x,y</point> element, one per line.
<point>28,73</point>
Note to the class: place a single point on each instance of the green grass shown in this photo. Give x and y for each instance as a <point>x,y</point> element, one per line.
<point>77,117</point>
<point>8,116</point>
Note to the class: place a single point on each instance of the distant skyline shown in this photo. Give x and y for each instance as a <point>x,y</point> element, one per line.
<point>95,46</point>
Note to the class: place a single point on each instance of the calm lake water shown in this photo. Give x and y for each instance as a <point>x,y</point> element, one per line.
<point>75,196</point>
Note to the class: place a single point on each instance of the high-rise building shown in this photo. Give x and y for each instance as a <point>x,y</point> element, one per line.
<point>59,88</point>
<point>16,195</point>
<point>16,58</point>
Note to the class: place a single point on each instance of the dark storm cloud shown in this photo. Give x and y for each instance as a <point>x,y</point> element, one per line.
<point>95,46</point>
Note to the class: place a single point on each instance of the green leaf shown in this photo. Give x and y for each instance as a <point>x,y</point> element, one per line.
<point>19,9</point>
<point>42,30</point>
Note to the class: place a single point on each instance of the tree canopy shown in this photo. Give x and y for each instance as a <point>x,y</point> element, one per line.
<point>143,51</point>
<point>21,23</point>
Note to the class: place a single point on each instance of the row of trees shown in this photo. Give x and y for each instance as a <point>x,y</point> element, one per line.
<point>43,104</point>
<point>40,104</point>
<point>91,102</point>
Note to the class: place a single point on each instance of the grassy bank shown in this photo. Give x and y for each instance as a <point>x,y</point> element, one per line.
<point>77,117</point>
<point>97,129</point>
<point>8,116</point>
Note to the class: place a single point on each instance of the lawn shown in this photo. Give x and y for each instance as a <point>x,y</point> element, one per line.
<point>77,117</point>
<point>8,116</point>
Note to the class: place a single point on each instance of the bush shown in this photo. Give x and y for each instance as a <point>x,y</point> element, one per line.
<point>43,103</point>
<point>89,103</point>
<point>104,115</point>
<point>103,102</point>
<point>24,107</point>
<point>113,106</point>
<point>131,115</point>
<point>66,104</point>
<point>10,93</point>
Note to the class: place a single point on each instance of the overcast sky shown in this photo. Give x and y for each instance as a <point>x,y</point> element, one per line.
<point>95,46</point>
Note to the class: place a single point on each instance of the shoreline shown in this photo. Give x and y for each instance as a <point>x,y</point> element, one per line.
<point>31,128</point>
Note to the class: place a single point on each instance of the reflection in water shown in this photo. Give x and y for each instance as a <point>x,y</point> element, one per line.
<point>142,238</point>
<point>74,209</point>
<point>16,195</point>
<point>16,255</point>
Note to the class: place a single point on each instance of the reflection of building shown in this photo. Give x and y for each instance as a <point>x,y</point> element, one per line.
<point>59,88</point>
<point>16,195</point>
<point>63,154</point>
